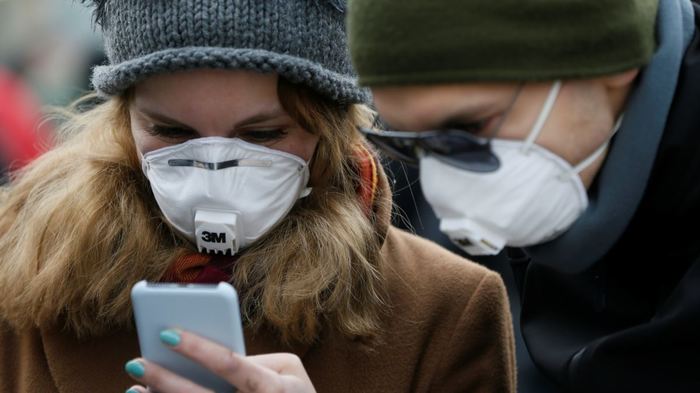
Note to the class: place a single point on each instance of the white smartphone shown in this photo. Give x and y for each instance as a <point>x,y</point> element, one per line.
<point>208,310</point>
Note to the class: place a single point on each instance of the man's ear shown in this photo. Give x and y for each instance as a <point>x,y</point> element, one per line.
<point>621,79</point>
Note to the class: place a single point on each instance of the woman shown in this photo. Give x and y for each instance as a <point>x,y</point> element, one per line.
<point>334,299</point>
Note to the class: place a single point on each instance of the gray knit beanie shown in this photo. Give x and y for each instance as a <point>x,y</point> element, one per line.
<point>302,40</point>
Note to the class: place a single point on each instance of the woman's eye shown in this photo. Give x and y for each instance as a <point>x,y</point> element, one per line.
<point>260,136</point>
<point>170,132</point>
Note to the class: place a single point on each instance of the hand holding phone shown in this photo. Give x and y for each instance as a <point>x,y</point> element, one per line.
<point>210,311</point>
<point>272,372</point>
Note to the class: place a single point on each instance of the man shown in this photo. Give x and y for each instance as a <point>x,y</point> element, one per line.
<point>567,132</point>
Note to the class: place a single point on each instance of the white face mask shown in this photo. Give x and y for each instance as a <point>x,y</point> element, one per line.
<point>223,193</point>
<point>533,197</point>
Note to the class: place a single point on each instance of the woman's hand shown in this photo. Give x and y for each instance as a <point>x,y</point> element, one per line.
<point>277,372</point>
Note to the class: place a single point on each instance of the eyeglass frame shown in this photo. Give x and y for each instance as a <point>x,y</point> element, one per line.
<point>483,145</point>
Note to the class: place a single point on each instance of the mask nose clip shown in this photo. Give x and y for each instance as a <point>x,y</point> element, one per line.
<point>217,232</point>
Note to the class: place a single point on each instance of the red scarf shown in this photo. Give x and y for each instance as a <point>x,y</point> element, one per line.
<point>208,269</point>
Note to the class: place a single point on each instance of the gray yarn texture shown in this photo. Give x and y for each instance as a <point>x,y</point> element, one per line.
<point>304,41</point>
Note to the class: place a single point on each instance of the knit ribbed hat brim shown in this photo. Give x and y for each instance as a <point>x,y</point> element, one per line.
<point>395,42</point>
<point>111,80</point>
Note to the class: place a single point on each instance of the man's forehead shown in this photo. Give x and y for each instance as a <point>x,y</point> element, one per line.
<point>415,108</point>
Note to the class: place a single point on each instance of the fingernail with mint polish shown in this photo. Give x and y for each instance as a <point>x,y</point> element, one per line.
<point>170,337</point>
<point>135,368</point>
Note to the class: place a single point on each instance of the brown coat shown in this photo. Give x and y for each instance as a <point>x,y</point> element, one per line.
<point>448,329</point>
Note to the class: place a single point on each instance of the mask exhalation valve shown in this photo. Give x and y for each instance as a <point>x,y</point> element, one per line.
<point>216,232</point>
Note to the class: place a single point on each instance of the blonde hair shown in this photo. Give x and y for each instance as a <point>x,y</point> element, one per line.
<point>79,226</point>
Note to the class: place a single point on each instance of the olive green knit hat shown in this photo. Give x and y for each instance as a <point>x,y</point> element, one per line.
<point>433,41</point>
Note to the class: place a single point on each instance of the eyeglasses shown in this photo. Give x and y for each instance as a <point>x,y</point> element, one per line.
<point>455,147</point>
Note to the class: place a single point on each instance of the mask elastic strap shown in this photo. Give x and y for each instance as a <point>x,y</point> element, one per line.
<point>589,160</point>
<point>305,192</point>
<point>543,116</point>
<point>144,164</point>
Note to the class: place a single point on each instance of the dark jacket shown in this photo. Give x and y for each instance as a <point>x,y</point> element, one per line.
<point>630,322</point>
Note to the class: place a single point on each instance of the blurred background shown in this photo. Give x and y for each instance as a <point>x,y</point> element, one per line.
<point>47,51</point>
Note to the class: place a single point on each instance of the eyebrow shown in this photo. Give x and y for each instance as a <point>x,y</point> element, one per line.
<point>459,117</point>
<point>257,118</point>
<point>261,117</point>
<point>479,112</point>
<point>163,119</point>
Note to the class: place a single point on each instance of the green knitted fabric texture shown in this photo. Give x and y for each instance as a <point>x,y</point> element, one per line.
<point>435,41</point>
